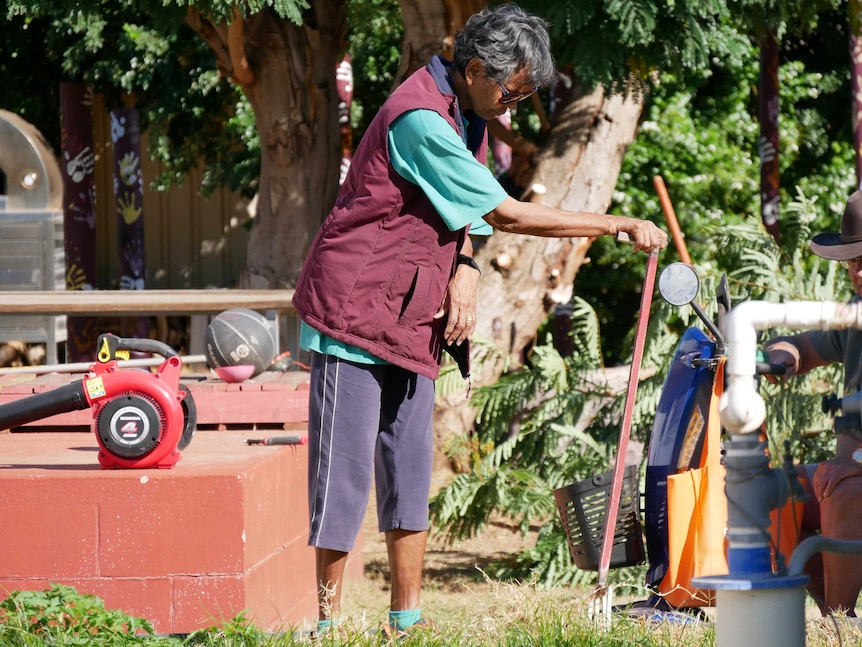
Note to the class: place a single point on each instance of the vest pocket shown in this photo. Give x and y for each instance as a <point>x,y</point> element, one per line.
<point>415,303</point>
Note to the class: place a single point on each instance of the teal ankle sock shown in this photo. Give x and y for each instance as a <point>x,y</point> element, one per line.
<point>323,626</point>
<point>402,620</point>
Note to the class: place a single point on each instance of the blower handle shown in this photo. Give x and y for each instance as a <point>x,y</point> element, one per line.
<point>108,344</point>
<point>69,397</point>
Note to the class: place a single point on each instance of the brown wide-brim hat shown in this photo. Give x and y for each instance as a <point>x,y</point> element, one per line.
<point>846,245</point>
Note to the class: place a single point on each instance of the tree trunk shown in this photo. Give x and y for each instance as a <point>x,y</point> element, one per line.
<point>429,27</point>
<point>295,100</point>
<point>287,71</point>
<point>425,30</point>
<point>524,276</point>
<point>767,96</point>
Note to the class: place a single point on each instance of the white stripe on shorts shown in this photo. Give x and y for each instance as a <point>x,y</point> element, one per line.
<point>331,443</point>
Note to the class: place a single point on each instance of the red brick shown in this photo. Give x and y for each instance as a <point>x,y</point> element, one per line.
<point>281,590</point>
<point>224,531</point>
<point>277,386</point>
<point>207,386</point>
<point>141,598</point>
<point>173,522</point>
<point>207,600</point>
<point>10,584</point>
<point>35,533</point>
<point>247,407</point>
<point>276,510</point>
<point>18,384</point>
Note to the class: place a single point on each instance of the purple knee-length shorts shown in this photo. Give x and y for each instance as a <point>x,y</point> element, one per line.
<point>367,419</point>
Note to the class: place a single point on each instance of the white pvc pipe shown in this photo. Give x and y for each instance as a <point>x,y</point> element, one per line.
<point>765,616</point>
<point>741,408</point>
<point>83,367</point>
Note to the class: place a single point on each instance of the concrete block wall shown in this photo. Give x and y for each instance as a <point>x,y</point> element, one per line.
<point>222,532</point>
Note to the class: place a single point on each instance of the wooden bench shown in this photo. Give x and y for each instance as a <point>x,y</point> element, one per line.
<point>196,303</point>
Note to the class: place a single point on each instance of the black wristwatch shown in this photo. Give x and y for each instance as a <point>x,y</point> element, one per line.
<point>463,259</point>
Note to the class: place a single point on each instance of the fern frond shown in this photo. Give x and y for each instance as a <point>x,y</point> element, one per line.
<point>586,331</point>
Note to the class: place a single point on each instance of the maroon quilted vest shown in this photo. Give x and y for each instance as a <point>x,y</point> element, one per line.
<point>378,267</point>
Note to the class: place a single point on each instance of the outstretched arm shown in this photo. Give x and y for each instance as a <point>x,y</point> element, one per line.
<point>536,219</point>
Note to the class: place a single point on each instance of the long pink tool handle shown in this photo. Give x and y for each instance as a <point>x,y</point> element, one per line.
<point>628,413</point>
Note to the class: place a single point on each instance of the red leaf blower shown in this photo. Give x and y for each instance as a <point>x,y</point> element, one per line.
<point>141,419</point>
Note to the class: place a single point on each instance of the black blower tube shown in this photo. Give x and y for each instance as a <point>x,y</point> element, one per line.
<point>42,405</point>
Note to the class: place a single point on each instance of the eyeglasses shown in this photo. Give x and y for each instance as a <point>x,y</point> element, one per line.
<point>854,263</point>
<point>513,97</point>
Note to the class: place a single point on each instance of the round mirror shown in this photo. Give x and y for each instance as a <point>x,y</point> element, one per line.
<point>678,284</point>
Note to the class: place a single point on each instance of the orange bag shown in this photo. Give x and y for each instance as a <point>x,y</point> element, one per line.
<point>697,519</point>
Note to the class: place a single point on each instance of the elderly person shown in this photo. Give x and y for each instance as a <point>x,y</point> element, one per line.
<point>835,485</point>
<point>390,280</point>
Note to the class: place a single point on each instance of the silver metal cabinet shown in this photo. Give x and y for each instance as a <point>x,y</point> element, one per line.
<point>31,231</point>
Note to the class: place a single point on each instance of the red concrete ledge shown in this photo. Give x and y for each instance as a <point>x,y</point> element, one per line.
<point>222,532</point>
<point>269,400</point>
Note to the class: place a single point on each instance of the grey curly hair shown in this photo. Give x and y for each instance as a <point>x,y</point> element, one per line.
<point>507,39</point>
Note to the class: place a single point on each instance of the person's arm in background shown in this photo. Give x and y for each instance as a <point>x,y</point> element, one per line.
<point>796,352</point>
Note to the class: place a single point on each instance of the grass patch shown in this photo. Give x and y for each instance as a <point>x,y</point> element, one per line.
<point>510,615</point>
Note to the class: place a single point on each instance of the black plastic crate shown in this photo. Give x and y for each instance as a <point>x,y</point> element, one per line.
<point>583,508</point>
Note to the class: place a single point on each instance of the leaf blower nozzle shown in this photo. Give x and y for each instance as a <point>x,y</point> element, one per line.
<point>63,399</point>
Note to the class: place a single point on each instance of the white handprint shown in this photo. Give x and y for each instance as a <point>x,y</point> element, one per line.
<point>80,166</point>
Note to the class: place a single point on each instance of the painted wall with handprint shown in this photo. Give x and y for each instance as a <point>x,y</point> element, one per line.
<point>140,239</point>
<point>770,174</point>
<point>129,200</point>
<point>188,241</point>
<point>77,167</point>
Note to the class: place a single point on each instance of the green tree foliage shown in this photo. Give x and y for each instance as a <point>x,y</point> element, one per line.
<point>700,133</point>
<point>143,54</point>
<point>132,54</point>
<point>374,45</point>
<point>627,40</point>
